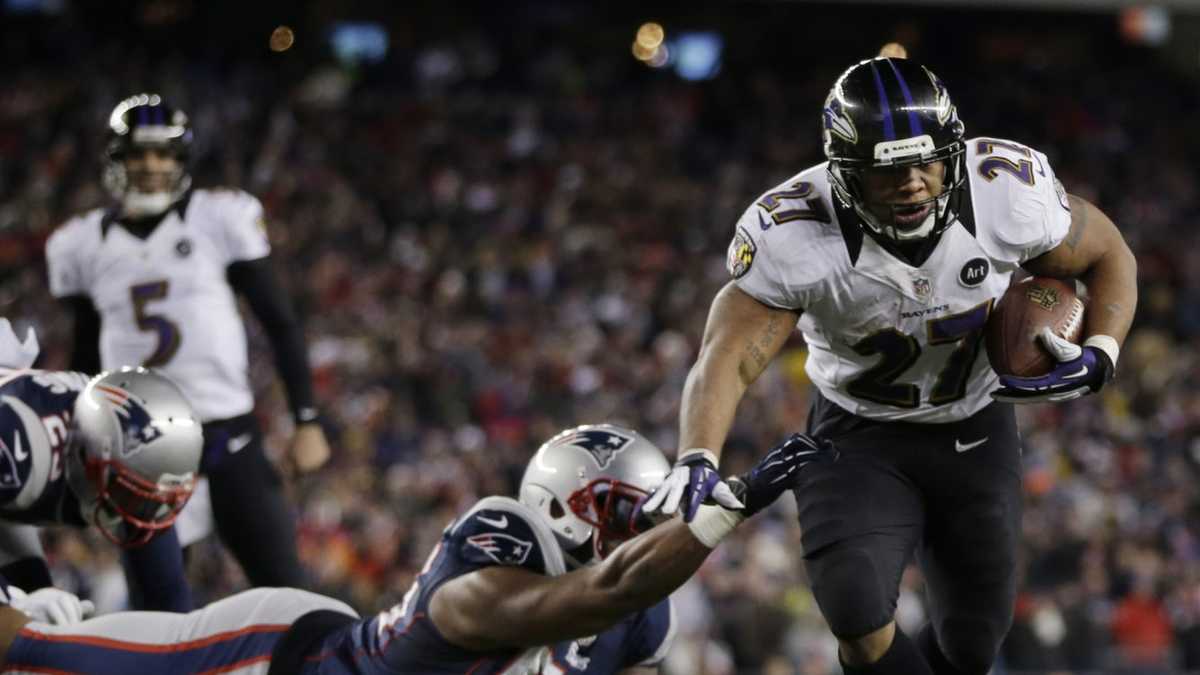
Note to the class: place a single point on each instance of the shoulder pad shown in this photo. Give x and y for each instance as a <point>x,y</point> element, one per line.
<point>75,232</point>
<point>230,204</point>
<point>1020,206</point>
<point>25,454</point>
<point>236,221</point>
<point>787,241</point>
<point>224,194</point>
<point>67,249</point>
<point>503,531</point>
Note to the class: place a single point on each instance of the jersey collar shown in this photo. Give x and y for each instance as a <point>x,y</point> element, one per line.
<point>853,231</point>
<point>112,215</point>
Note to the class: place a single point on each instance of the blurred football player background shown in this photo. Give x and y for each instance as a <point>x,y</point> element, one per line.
<point>499,223</point>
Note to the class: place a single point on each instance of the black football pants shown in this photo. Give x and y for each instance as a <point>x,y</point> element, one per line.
<point>934,490</point>
<point>252,516</point>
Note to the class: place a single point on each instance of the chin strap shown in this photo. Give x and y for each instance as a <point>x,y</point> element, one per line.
<point>135,204</point>
<point>141,204</point>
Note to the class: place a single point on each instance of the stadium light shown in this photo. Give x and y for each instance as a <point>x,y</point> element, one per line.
<point>282,38</point>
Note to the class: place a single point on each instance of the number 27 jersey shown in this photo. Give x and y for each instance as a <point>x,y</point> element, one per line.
<point>888,340</point>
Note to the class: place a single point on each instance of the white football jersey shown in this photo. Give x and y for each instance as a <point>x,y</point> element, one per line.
<point>887,340</point>
<point>164,301</point>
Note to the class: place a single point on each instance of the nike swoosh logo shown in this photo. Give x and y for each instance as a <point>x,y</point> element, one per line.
<point>1083,370</point>
<point>238,442</point>
<point>19,453</point>
<point>961,447</point>
<point>500,523</point>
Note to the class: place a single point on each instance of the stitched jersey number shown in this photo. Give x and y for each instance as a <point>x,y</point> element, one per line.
<point>878,383</point>
<point>900,351</point>
<point>164,328</point>
<point>993,166</point>
<point>799,190</point>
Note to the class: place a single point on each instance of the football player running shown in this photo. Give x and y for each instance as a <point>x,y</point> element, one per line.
<point>562,580</point>
<point>151,281</point>
<point>120,452</point>
<point>891,255</point>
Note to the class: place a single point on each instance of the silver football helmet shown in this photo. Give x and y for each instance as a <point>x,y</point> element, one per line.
<point>587,483</point>
<point>135,453</point>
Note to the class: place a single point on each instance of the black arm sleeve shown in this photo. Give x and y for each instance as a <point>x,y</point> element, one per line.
<point>27,574</point>
<point>85,350</point>
<point>255,280</point>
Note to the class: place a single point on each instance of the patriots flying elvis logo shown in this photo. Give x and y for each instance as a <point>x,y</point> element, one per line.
<point>502,548</point>
<point>136,423</point>
<point>604,444</point>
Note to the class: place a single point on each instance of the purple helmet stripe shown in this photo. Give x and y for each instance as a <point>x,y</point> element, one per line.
<point>889,132</point>
<point>914,123</point>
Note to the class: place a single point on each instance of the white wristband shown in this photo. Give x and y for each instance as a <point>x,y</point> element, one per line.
<point>708,454</point>
<point>714,523</point>
<point>1106,344</point>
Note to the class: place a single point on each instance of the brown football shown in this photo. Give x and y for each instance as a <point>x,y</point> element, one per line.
<point>1024,309</point>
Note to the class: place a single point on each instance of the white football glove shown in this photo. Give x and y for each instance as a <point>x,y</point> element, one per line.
<point>692,481</point>
<point>1082,369</point>
<point>50,605</point>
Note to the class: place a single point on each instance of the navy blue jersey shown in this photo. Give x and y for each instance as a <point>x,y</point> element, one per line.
<point>497,531</point>
<point>35,428</point>
<point>35,433</point>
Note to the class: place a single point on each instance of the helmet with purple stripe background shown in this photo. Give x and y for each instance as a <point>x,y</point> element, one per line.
<point>890,112</point>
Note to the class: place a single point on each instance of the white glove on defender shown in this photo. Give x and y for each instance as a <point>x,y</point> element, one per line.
<point>50,605</point>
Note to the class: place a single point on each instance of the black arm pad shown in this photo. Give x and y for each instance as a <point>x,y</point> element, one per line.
<point>85,348</point>
<point>254,280</point>
<point>27,574</point>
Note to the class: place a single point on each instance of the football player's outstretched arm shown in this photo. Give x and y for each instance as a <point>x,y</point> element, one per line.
<point>499,607</point>
<point>11,622</point>
<point>515,607</point>
<point>1095,252</point>
<point>741,337</point>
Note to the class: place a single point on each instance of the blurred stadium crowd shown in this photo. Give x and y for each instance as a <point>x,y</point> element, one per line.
<point>492,238</point>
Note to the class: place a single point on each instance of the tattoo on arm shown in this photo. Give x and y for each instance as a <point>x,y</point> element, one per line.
<point>1078,221</point>
<point>1112,308</point>
<point>756,347</point>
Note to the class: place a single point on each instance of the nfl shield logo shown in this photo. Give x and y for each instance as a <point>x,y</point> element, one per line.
<point>922,287</point>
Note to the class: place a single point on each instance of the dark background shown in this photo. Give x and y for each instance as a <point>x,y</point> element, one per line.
<point>509,225</point>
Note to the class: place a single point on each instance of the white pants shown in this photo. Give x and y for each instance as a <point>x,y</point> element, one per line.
<point>234,635</point>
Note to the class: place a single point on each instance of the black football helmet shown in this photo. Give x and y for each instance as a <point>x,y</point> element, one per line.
<point>146,121</point>
<point>887,112</point>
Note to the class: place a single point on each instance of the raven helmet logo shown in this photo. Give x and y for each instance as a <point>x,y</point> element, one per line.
<point>944,107</point>
<point>603,444</point>
<point>137,425</point>
<point>836,121</point>
<point>502,548</point>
